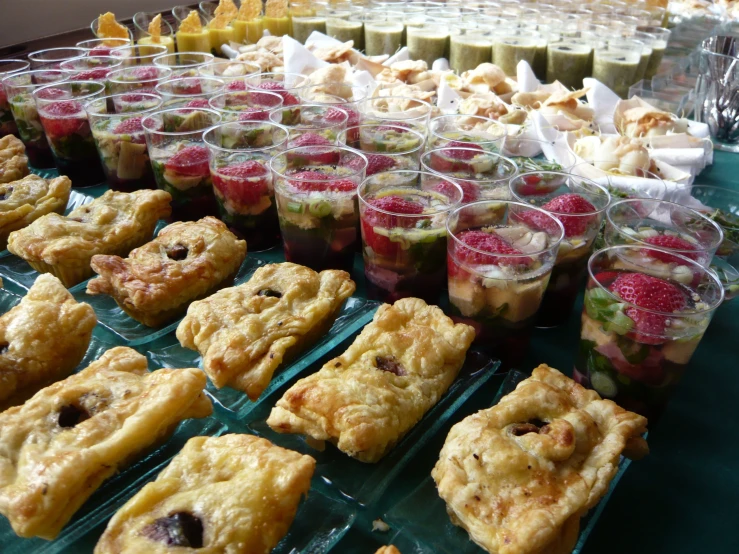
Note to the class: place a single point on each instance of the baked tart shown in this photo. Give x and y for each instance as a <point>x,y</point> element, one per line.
<point>518,476</point>
<point>22,202</point>
<point>13,160</point>
<point>244,333</point>
<point>42,340</point>
<point>157,281</point>
<point>234,493</point>
<point>368,398</point>
<point>59,447</point>
<point>115,224</point>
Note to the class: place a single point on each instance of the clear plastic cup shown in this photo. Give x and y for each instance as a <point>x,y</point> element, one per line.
<point>316,193</point>
<point>121,141</point>
<point>242,180</point>
<point>141,21</point>
<point>18,88</point>
<point>236,74</point>
<point>403,220</point>
<point>91,68</point>
<point>428,41</point>
<point>189,92</point>
<point>50,58</point>
<point>397,110</point>
<point>315,124</point>
<point>341,95</point>
<point>615,64</point>
<point>473,129</point>
<point>102,46</point>
<point>579,204</point>
<point>287,85</point>
<point>7,123</point>
<point>383,33</point>
<point>185,64</point>
<point>138,55</point>
<point>61,111</point>
<point>469,47</point>
<point>245,105</point>
<point>387,147</point>
<point>179,158</point>
<point>141,78</point>
<point>641,327</point>
<point>662,37</point>
<point>500,295</point>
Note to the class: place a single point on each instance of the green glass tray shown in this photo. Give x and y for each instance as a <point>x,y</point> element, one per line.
<point>234,404</point>
<point>127,330</point>
<point>422,515</point>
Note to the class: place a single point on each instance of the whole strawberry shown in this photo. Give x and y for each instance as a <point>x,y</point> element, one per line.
<point>487,242</point>
<point>376,163</point>
<point>671,242</point>
<point>381,244</point>
<point>575,225</point>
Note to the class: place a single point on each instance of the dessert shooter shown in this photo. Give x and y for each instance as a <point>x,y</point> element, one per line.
<point>102,46</point>
<point>579,204</point>
<point>236,74</point>
<point>315,125</point>
<point>219,27</point>
<point>50,58</point>
<point>287,85</point>
<point>192,36</point>
<point>428,41</point>
<point>499,267</point>
<point>340,95</point>
<point>179,158</point>
<point>511,48</point>
<point>569,60</point>
<point>615,63</point>
<point>469,47</point>
<point>386,147</point>
<point>396,110</point>
<point>245,105</point>
<point>121,141</point>
<point>316,193</point>
<point>185,64</point>
<point>129,54</point>
<point>475,129</point>
<point>248,25</point>
<point>19,89</point>
<point>61,111</point>
<point>152,31</point>
<point>659,45</point>
<point>403,220</point>
<point>91,68</point>
<point>242,180</point>
<point>482,175</point>
<point>383,34</point>
<point>306,18</point>
<point>140,78</point>
<point>189,92</point>
<point>344,26</point>
<point>641,324</point>
<point>276,19</point>
<point>7,123</point>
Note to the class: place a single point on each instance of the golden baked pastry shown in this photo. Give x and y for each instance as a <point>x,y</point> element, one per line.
<point>58,447</point>
<point>244,333</point>
<point>397,369</point>
<point>229,494</point>
<point>115,223</point>
<point>186,261</point>
<point>388,550</point>
<point>24,201</point>
<point>42,339</point>
<point>13,160</point>
<point>518,476</point>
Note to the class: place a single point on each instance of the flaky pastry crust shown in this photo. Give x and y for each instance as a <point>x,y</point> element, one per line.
<point>244,333</point>
<point>115,223</point>
<point>58,447</point>
<point>43,339</point>
<point>397,369</point>
<point>186,261</point>
<point>243,491</point>
<point>518,476</point>
<point>13,160</point>
<point>24,201</point>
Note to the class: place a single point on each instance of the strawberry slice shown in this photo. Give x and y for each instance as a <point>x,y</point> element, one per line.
<point>381,244</point>
<point>487,242</point>
<point>98,74</point>
<point>191,161</point>
<point>197,103</point>
<point>452,159</point>
<point>470,191</point>
<point>145,73</point>
<point>569,203</point>
<point>465,154</point>
<point>253,114</point>
<point>322,154</point>
<point>310,139</point>
<point>670,242</point>
<point>245,182</point>
<point>131,126</point>
<point>100,51</point>
<point>376,163</point>
<point>650,293</point>
<point>236,86</point>
<point>51,93</point>
<point>317,181</point>
<point>334,115</point>
<point>59,119</point>
<point>279,88</point>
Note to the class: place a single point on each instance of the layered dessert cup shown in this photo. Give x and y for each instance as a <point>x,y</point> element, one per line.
<point>403,218</point>
<point>91,68</point>
<point>121,141</point>
<point>136,55</point>
<point>339,95</point>
<point>316,193</point>
<point>236,74</point>
<point>185,64</point>
<point>395,110</point>
<point>189,92</point>
<point>320,122</point>
<point>102,46</point>
<point>579,204</point>
<point>242,179</point>
<point>50,58</point>
<point>7,68</point>
<point>641,327</point>
<point>287,85</point>
<point>19,89</point>
<point>180,159</point>
<point>140,78</point>
<point>245,105</point>
<point>61,112</point>
<point>499,267</point>
<point>387,147</point>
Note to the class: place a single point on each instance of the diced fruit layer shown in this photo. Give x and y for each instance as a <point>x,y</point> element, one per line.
<point>191,161</point>
<point>381,244</point>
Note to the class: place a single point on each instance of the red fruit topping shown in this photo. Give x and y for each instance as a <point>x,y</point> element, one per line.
<point>62,119</point>
<point>650,293</point>
<point>310,139</point>
<point>145,73</point>
<point>51,93</point>
<point>466,154</point>
<point>334,115</point>
<point>245,183</point>
<point>253,114</point>
<point>100,51</point>
<point>397,205</point>
<point>188,88</point>
<point>452,159</point>
<point>130,98</point>
<point>197,103</point>
<point>670,242</point>
<point>469,190</point>
<point>532,187</point>
<point>62,109</point>
<point>131,126</point>
<point>191,161</point>
<point>316,181</point>
<point>236,85</point>
<point>92,74</point>
<point>571,204</point>
<point>488,242</point>
<point>376,163</point>
<point>279,88</point>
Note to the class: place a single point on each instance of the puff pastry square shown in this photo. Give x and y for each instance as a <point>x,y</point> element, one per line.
<point>23,202</point>
<point>229,494</point>
<point>13,160</point>
<point>186,261</point>
<point>42,340</point>
<point>58,447</point>
<point>244,333</point>
<point>518,476</point>
<point>115,223</point>
<point>397,369</point>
